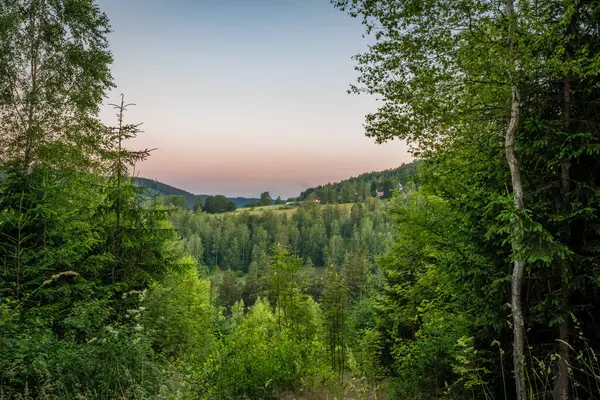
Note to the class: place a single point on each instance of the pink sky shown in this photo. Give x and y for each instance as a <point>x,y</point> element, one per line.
<point>238,105</point>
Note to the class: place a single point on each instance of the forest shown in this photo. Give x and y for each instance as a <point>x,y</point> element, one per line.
<point>319,235</point>
<point>477,278</point>
<point>364,186</point>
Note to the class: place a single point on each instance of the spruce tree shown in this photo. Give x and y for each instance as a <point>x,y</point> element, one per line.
<point>335,303</point>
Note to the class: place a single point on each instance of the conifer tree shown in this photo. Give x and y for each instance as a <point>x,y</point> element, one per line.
<point>335,303</point>
<point>229,290</point>
<point>138,238</point>
<point>284,287</point>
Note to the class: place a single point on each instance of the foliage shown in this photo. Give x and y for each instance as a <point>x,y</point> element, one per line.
<point>217,204</point>
<point>54,64</point>
<point>229,290</point>
<point>171,201</point>
<point>261,358</point>
<point>265,199</point>
<point>179,313</point>
<point>468,83</point>
<point>364,186</point>
<point>323,234</point>
<point>335,302</point>
<point>192,201</point>
<point>107,293</point>
<point>73,245</point>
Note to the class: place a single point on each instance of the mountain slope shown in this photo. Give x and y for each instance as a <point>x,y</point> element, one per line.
<point>370,184</point>
<point>190,198</point>
<point>167,190</point>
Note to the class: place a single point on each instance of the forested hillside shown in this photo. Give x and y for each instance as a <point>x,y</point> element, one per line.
<point>480,279</point>
<point>367,185</point>
<point>156,187</point>
<point>319,235</point>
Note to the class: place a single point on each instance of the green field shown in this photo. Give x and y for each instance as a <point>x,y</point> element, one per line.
<point>282,209</point>
<point>262,208</point>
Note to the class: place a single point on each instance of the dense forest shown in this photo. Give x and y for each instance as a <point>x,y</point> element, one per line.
<point>480,279</point>
<point>319,235</point>
<point>371,184</point>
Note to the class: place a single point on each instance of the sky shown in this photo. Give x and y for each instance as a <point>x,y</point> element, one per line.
<point>243,96</point>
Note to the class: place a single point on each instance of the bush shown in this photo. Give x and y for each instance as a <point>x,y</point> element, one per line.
<point>261,358</point>
<point>88,354</point>
<point>178,314</point>
<point>91,358</point>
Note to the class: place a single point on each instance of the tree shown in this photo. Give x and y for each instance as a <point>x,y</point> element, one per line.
<point>54,63</point>
<point>515,172</point>
<point>76,234</point>
<point>334,251</point>
<point>198,204</point>
<point>278,200</point>
<point>387,186</point>
<point>433,276</point>
<point>244,241</point>
<point>335,302</point>
<point>347,196</point>
<point>265,199</point>
<point>355,270</point>
<point>457,77</point>
<point>217,245</point>
<point>218,204</point>
<point>54,75</point>
<point>179,314</point>
<point>194,247</point>
<point>121,193</point>
<point>284,286</point>
<point>253,286</point>
<point>232,255</point>
<point>173,201</point>
<point>229,290</point>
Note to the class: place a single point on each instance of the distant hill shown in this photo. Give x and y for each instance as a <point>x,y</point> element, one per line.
<point>167,190</point>
<point>370,184</point>
<point>190,198</point>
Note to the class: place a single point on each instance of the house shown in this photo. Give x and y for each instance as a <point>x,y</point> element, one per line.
<point>316,199</point>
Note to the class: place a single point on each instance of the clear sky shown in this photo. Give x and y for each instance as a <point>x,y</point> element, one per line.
<point>243,96</point>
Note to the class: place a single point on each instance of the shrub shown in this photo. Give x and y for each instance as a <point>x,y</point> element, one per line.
<point>261,358</point>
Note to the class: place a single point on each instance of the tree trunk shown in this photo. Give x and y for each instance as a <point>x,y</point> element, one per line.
<point>517,186</point>
<point>561,390</point>
<point>32,99</point>
<point>519,265</point>
<point>562,380</point>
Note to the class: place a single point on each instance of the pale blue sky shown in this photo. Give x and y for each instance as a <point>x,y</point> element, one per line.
<point>243,96</point>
